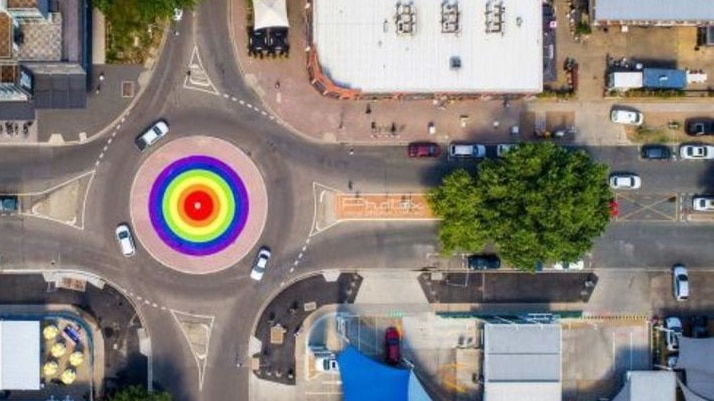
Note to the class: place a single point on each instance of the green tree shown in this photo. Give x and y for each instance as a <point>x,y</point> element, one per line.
<point>139,393</point>
<point>149,10</point>
<point>540,203</point>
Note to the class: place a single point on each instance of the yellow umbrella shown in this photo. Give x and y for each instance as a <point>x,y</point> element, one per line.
<point>58,349</point>
<point>50,332</point>
<point>68,376</point>
<point>50,368</point>
<point>76,358</point>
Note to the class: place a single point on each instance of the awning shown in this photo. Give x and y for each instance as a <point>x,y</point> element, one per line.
<point>270,14</point>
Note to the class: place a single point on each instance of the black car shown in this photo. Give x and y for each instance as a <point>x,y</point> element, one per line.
<point>483,262</point>
<point>655,152</point>
<point>700,326</point>
<point>699,126</point>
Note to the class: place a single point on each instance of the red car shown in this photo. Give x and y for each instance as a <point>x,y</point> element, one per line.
<point>424,149</point>
<point>391,346</point>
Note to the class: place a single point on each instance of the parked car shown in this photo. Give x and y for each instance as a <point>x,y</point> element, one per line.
<point>260,264</point>
<point>424,149</point>
<point>576,265</point>
<point>391,346</point>
<point>178,14</point>
<point>125,239</point>
<point>655,152</point>
<point>703,203</point>
<point>467,150</point>
<point>326,362</point>
<point>696,152</point>
<point>680,282</point>
<point>672,360</point>
<point>152,135</point>
<point>699,126</point>
<point>625,181</point>
<point>483,262</point>
<point>673,326</point>
<point>9,204</point>
<point>626,116</point>
<point>700,326</point>
<point>503,148</point>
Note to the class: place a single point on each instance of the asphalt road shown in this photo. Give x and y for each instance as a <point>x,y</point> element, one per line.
<point>289,166</point>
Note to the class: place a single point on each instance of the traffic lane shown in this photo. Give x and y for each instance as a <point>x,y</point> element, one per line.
<point>654,245</point>
<point>368,245</point>
<point>658,176</point>
<point>36,169</point>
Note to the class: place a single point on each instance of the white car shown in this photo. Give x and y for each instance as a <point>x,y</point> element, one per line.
<point>680,282</point>
<point>504,148</point>
<point>628,117</point>
<point>673,326</point>
<point>695,152</point>
<point>625,181</point>
<point>577,265</point>
<point>260,264</point>
<point>703,203</point>
<point>126,241</point>
<point>178,14</point>
<point>152,135</point>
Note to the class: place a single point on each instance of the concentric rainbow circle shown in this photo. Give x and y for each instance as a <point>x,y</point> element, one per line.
<point>198,205</point>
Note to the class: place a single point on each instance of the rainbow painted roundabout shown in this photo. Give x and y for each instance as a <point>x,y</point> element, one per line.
<point>198,204</point>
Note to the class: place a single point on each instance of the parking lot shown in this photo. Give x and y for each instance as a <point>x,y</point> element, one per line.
<point>445,353</point>
<point>597,353</point>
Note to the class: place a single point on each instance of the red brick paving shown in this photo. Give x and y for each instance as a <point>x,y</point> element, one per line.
<point>301,107</point>
<point>190,146</point>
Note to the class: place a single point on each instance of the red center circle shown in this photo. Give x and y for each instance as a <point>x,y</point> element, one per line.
<point>198,205</point>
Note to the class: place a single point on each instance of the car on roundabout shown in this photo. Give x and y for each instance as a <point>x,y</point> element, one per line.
<point>152,135</point>
<point>625,181</point>
<point>696,152</point>
<point>260,264</point>
<point>125,239</point>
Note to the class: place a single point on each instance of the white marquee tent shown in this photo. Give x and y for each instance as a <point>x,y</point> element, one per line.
<point>270,14</point>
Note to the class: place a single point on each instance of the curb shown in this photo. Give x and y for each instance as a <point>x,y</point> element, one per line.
<point>241,69</point>
<point>122,116</point>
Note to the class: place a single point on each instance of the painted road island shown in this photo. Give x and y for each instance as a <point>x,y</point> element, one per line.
<point>198,204</point>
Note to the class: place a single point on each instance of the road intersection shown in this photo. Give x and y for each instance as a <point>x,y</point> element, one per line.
<point>213,101</point>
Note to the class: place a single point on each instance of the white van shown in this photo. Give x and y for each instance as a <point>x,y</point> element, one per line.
<point>463,150</point>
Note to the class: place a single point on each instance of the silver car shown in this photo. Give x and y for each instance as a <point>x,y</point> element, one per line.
<point>703,203</point>
<point>625,181</point>
<point>696,152</point>
<point>625,116</point>
<point>152,135</point>
<point>680,282</point>
<point>125,239</point>
<point>260,264</point>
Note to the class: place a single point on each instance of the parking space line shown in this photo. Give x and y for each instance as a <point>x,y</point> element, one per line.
<point>641,207</point>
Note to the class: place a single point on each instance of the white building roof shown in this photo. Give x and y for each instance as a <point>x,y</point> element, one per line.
<point>522,362</point>
<point>654,10</point>
<point>19,355</point>
<point>358,46</point>
<point>658,385</point>
<point>270,14</point>
<point>626,80</point>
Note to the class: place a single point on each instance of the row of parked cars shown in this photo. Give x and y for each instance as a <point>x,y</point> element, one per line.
<point>456,150</point>
<point>699,126</point>
<point>492,262</point>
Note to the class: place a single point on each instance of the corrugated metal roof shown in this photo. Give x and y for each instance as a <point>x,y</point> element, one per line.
<point>522,362</point>
<point>19,355</point>
<point>654,10</point>
<point>358,47</point>
<point>660,78</point>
